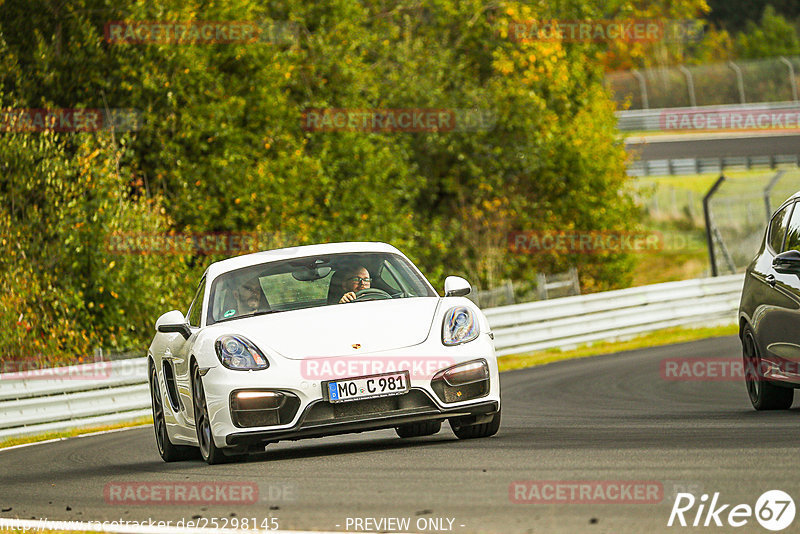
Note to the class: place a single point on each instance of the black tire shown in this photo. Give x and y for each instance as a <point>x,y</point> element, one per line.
<point>481,430</point>
<point>208,449</point>
<point>415,430</point>
<point>168,451</point>
<point>764,395</point>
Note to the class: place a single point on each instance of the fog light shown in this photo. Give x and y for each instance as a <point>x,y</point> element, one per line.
<point>260,400</point>
<point>263,408</point>
<point>462,382</point>
<point>466,373</point>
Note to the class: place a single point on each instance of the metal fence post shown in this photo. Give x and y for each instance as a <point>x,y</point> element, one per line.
<point>541,286</point>
<point>768,191</point>
<point>739,80</point>
<point>643,87</point>
<point>576,281</point>
<point>792,80</point>
<point>709,233</point>
<point>509,292</point>
<point>689,84</point>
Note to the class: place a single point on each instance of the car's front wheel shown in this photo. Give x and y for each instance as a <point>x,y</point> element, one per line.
<point>168,451</point>
<point>764,395</point>
<point>415,430</point>
<point>208,449</point>
<point>465,428</point>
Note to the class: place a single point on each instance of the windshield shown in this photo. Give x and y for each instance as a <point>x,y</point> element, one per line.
<point>298,283</point>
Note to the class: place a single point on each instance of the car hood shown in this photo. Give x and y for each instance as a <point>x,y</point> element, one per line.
<point>336,330</point>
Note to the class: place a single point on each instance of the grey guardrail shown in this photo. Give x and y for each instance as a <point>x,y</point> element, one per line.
<point>50,400</point>
<point>610,315</point>
<point>684,166</point>
<point>39,401</point>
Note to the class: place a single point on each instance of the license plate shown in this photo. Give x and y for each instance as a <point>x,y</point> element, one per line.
<point>366,387</point>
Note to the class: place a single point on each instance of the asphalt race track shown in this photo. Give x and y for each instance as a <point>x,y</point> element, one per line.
<point>716,147</point>
<point>606,418</point>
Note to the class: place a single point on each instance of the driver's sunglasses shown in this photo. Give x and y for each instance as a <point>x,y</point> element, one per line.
<point>357,279</point>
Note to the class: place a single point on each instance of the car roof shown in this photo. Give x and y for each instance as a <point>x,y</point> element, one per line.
<point>246,260</point>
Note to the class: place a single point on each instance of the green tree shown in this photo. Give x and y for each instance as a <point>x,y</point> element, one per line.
<point>67,290</point>
<point>773,36</point>
<point>735,15</point>
<point>221,148</point>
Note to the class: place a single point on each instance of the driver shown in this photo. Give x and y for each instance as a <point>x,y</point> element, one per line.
<point>356,280</point>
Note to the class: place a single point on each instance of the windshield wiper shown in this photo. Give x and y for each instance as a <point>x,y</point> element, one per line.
<point>246,315</point>
<point>265,312</point>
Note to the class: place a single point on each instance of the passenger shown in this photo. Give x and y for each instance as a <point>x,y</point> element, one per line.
<point>250,297</point>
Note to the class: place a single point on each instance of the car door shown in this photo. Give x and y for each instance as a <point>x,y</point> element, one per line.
<point>178,354</point>
<point>779,328</point>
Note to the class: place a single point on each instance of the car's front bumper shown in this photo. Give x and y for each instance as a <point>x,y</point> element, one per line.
<point>310,425</point>
<point>315,416</point>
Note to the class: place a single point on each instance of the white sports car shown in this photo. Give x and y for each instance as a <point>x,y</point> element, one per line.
<point>314,341</point>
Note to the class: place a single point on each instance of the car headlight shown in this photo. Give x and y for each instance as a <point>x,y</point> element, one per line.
<point>240,354</point>
<point>459,326</point>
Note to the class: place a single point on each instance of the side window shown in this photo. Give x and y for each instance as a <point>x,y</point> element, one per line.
<point>388,278</point>
<point>777,228</point>
<point>196,308</point>
<point>793,236</point>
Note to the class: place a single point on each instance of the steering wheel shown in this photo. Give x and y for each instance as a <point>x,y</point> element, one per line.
<point>372,293</point>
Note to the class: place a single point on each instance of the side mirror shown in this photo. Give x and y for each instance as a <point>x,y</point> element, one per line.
<point>173,322</point>
<point>787,262</point>
<point>455,286</point>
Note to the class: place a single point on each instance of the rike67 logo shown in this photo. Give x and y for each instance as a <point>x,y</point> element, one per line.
<point>774,510</point>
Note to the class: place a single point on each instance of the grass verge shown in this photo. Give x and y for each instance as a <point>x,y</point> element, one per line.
<point>673,208</point>
<point>655,339</point>
<point>684,255</point>
<point>74,432</point>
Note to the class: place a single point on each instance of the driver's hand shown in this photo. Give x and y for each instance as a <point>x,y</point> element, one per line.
<point>347,297</point>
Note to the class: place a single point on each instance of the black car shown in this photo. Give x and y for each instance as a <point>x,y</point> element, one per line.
<point>769,313</point>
